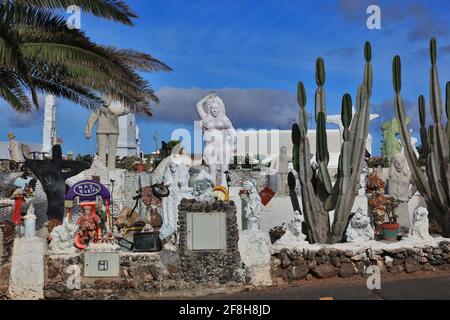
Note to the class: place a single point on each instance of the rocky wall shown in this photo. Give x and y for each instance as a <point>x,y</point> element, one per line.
<point>291,265</point>
<point>144,272</point>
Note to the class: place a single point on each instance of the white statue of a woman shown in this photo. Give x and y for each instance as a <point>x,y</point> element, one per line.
<point>219,135</point>
<point>176,179</point>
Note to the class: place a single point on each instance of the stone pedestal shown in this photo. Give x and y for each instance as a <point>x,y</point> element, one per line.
<point>218,265</point>
<point>27,269</point>
<point>255,251</point>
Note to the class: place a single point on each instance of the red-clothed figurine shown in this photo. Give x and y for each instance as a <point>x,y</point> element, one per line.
<point>89,226</point>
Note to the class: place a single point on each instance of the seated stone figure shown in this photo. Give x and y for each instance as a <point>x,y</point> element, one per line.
<point>204,187</point>
<point>359,229</point>
<point>419,229</point>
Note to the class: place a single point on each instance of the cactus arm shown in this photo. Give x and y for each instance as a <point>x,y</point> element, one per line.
<point>440,145</point>
<point>423,129</point>
<point>419,177</point>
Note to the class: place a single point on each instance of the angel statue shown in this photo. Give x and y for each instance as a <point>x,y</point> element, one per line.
<point>218,134</point>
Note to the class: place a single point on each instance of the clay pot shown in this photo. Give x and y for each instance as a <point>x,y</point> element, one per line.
<point>390,231</point>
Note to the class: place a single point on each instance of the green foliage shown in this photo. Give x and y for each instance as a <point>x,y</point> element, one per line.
<point>38,53</point>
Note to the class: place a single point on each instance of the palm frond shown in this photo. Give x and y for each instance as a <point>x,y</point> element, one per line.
<point>115,10</point>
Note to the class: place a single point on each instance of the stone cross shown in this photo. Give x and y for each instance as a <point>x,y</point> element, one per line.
<point>336,119</point>
<point>53,174</point>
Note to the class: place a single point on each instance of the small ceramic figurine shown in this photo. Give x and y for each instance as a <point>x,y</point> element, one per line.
<point>360,230</point>
<point>420,228</point>
<point>89,225</point>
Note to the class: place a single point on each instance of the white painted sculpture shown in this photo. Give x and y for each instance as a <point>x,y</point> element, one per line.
<point>253,208</point>
<point>420,227</point>
<point>219,136</point>
<point>360,229</point>
<point>255,251</point>
<point>203,187</point>
<point>401,187</point>
<point>176,179</point>
<point>107,130</point>
<point>294,235</point>
<point>63,239</point>
<point>30,223</point>
<point>281,166</point>
<point>413,144</point>
<point>13,148</point>
<point>49,129</point>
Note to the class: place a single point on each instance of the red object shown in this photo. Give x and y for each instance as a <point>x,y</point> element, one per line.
<point>17,216</point>
<point>88,226</point>
<point>266,195</point>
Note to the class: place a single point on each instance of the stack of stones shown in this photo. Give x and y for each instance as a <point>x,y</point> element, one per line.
<point>237,176</point>
<point>215,266</point>
<point>7,235</point>
<point>292,265</point>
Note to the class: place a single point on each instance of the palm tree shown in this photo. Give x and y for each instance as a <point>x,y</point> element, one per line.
<point>38,53</point>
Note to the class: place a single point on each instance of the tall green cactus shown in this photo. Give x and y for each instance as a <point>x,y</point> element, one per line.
<point>319,196</point>
<point>434,184</point>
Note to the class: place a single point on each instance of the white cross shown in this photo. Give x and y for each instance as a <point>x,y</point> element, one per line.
<point>336,119</point>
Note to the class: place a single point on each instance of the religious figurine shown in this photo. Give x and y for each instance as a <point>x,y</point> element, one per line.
<point>107,130</point>
<point>253,208</point>
<point>219,136</point>
<point>203,189</point>
<point>13,148</point>
<point>176,179</point>
<point>53,175</point>
<point>420,227</point>
<point>401,187</point>
<point>281,166</point>
<point>360,229</point>
<point>63,239</point>
<point>89,226</point>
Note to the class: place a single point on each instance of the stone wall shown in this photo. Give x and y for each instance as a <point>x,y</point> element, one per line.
<point>210,266</point>
<point>290,265</point>
<point>7,234</point>
<point>239,176</point>
<point>145,272</point>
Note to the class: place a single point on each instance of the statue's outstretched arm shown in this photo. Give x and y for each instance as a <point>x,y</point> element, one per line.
<point>90,125</point>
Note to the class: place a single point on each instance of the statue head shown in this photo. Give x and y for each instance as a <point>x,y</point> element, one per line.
<point>421,213</point>
<point>214,105</point>
<point>114,107</point>
<point>399,162</point>
<point>360,219</point>
<point>11,136</point>
<point>283,150</point>
<point>173,167</point>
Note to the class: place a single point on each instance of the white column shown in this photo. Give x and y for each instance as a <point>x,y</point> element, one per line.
<point>49,130</point>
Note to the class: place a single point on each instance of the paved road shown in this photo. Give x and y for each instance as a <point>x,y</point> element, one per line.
<point>436,287</point>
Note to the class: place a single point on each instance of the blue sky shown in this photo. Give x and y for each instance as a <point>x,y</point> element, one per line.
<point>253,52</point>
